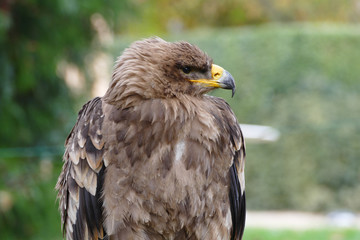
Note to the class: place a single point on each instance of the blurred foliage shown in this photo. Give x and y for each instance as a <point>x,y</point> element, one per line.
<point>34,36</point>
<point>319,234</point>
<point>186,14</point>
<point>27,199</point>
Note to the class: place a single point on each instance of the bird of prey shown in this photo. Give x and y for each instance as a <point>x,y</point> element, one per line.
<point>156,157</point>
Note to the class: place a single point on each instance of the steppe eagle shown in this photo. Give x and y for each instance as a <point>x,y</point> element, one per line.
<point>155,157</point>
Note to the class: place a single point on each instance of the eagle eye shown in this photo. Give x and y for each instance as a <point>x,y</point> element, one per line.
<point>186,69</point>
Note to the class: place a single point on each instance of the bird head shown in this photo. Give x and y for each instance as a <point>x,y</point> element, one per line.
<point>154,68</point>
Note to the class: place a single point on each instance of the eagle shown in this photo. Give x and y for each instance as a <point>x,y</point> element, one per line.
<point>156,157</point>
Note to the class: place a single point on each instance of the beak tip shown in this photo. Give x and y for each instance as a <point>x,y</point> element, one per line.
<point>229,83</point>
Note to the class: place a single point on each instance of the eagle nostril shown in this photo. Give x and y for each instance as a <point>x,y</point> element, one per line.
<point>217,75</point>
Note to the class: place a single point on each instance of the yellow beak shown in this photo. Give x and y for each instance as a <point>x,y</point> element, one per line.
<point>220,79</point>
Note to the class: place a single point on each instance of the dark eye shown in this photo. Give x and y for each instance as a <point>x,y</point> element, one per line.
<point>186,69</point>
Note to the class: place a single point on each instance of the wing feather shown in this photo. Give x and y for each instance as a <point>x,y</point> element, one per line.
<point>237,203</point>
<point>236,171</point>
<point>81,181</point>
<point>237,190</point>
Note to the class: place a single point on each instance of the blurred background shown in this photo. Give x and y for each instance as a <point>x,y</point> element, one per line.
<point>296,65</point>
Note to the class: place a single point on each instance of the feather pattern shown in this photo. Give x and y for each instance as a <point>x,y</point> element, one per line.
<point>81,181</point>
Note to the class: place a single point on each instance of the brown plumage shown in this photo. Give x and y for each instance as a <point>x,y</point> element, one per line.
<point>155,157</point>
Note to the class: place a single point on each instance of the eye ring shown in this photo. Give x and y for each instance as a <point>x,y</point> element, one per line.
<point>186,69</point>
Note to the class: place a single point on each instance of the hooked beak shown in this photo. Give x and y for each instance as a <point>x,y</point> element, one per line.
<point>220,79</point>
